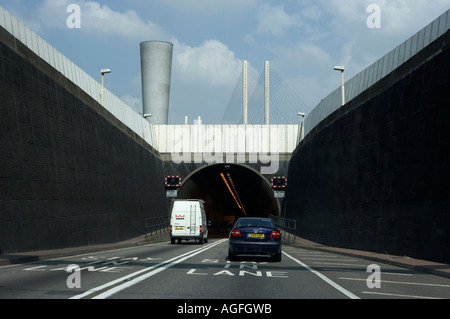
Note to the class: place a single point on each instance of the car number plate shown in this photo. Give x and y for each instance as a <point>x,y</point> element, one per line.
<point>179,228</point>
<point>253,235</point>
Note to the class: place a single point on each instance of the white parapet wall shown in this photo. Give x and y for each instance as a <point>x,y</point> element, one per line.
<point>238,139</point>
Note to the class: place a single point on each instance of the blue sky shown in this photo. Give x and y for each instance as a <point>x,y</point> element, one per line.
<point>302,39</point>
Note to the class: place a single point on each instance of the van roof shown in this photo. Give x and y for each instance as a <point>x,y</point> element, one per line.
<point>189,200</point>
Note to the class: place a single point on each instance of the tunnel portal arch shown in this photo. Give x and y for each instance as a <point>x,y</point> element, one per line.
<point>230,191</point>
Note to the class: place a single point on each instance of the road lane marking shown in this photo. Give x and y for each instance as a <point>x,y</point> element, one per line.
<point>142,274</point>
<point>353,270</point>
<point>399,295</point>
<point>62,258</point>
<point>324,278</point>
<point>333,259</point>
<point>395,273</point>
<point>339,264</point>
<point>399,282</point>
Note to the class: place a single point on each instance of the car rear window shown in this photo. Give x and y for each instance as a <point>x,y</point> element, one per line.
<point>255,222</point>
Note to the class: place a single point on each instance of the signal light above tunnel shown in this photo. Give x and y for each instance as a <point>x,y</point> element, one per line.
<point>173,181</point>
<point>278,182</point>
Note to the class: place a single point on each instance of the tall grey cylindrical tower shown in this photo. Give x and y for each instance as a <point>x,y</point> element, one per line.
<point>156,68</point>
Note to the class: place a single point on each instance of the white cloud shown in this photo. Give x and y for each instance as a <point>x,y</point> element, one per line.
<point>357,44</point>
<point>343,38</point>
<point>208,6</point>
<point>399,18</point>
<point>312,12</point>
<point>275,20</point>
<point>305,39</point>
<point>212,63</point>
<point>405,17</point>
<point>201,75</point>
<point>97,19</point>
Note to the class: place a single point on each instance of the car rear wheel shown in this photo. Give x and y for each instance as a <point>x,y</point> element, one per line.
<point>276,257</point>
<point>231,255</point>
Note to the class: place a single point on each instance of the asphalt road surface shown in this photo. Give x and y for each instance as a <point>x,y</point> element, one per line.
<point>194,272</point>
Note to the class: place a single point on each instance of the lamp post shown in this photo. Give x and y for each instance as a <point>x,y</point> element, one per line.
<point>302,135</point>
<point>103,72</point>
<point>146,115</point>
<point>341,68</point>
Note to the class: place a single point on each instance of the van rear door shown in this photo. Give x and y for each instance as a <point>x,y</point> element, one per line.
<point>179,223</point>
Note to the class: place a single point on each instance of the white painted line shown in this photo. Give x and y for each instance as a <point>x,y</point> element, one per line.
<point>395,273</point>
<point>325,258</point>
<point>143,274</point>
<point>80,255</point>
<point>339,264</point>
<point>324,278</point>
<point>398,295</point>
<point>399,282</point>
<point>307,253</point>
<point>310,255</point>
<point>353,270</point>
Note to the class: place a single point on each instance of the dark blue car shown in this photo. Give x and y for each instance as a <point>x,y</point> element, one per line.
<point>254,235</point>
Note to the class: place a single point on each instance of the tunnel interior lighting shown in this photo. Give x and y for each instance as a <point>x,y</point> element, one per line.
<point>232,189</point>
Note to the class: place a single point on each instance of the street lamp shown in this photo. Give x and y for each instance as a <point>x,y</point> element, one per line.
<point>303,124</point>
<point>103,72</point>
<point>341,68</point>
<point>146,115</point>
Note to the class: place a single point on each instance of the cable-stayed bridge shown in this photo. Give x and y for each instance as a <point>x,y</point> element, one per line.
<point>260,129</point>
<point>268,97</point>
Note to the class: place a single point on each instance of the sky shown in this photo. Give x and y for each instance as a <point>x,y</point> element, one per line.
<point>302,39</point>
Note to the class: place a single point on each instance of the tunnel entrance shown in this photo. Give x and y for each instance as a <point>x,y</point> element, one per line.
<point>230,191</point>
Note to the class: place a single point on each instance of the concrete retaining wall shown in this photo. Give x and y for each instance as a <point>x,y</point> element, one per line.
<point>71,173</point>
<point>374,175</point>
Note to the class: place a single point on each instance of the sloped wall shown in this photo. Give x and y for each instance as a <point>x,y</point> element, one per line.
<point>71,174</point>
<point>375,174</point>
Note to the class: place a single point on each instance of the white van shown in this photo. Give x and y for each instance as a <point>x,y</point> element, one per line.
<point>188,221</point>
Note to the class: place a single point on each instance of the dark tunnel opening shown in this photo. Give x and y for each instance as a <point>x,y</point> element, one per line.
<point>230,191</point>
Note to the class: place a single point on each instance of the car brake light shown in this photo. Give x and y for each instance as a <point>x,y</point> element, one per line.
<point>170,228</point>
<point>235,233</point>
<point>275,234</point>
<point>200,228</point>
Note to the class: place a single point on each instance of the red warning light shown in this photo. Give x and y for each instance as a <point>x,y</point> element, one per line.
<point>278,182</point>
<point>172,181</point>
